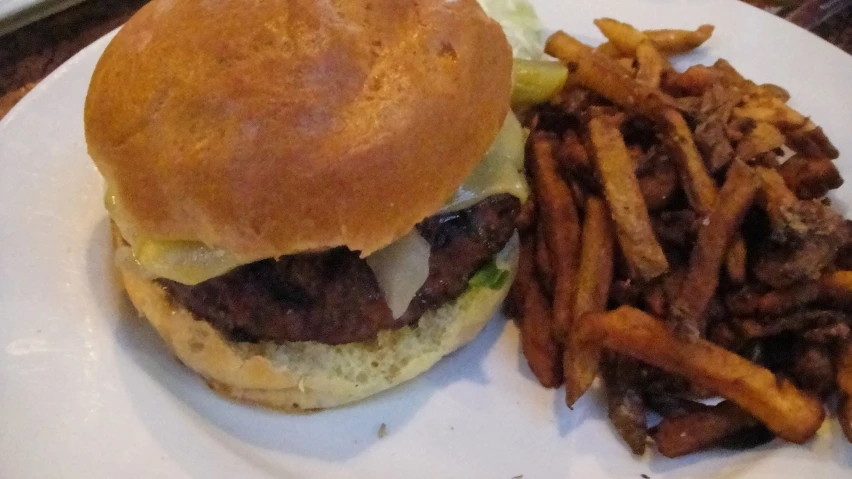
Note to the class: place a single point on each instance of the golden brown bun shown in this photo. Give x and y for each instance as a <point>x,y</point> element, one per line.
<point>304,376</point>
<point>294,125</point>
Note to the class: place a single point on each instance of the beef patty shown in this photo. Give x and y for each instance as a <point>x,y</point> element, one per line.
<point>333,297</point>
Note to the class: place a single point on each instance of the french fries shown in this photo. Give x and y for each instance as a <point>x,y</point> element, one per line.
<point>844,383</point>
<point>632,42</point>
<point>652,64</point>
<point>538,341</point>
<point>735,261</point>
<point>593,283</point>
<point>834,288</point>
<point>650,182</point>
<point>810,177</point>
<point>762,138</point>
<point>605,77</point>
<point>786,411</point>
<point>562,227</point>
<point>669,42</point>
<point>623,36</point>
<point>596,259</point>
<point>714,237</point>
<point>626,407</point>
<point>810,140</point>
<point>696,80</point>
<point>526,217</point>
<point>699,186</point>
<point>543,264</point>
<point>798,321</point>
<point>699,430</point>
<point>624,198</point>
<point>676,42</point>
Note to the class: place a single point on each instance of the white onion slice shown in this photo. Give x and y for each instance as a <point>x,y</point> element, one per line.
<point>401,268</point>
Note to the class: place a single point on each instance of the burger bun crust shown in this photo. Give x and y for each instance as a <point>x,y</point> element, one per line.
<point>294,125</point>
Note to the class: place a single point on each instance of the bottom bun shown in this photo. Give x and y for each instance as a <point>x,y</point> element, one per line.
<point>305,376</point>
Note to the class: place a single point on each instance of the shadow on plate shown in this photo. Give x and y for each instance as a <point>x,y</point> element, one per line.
<point>168,397</point>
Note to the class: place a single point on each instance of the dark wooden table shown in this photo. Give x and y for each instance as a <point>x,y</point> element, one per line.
<point>31,53</point>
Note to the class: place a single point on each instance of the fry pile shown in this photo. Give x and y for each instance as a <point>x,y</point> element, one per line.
<point>679,245</point>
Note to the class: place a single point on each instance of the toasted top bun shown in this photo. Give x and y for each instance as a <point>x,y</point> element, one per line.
<point>276,127</point>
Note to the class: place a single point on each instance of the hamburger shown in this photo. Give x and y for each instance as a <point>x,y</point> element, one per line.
<point>311,201</point>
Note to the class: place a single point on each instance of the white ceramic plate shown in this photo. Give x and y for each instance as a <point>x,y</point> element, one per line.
<point>17,13</point>
<point>87,391</point>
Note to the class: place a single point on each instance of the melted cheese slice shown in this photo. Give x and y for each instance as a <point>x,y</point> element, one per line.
<point>500,171</point>
<point>191,262</point>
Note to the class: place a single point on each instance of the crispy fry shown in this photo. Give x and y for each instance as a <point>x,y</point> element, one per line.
<point>608,79</point>
<point>699,430</point>
<point>699,186</point>
<point>844,383</point>
<point>543,265</point>
<point>676,42</point>
<point>526,217</point>
<point>593,283</point>
<point>771,110</point>
<point>780,204</point>
<point>776,91</point>
<point>695,80</point>
<point>810,178</point>
<point>595,273</point>
<point>622,35</point>
<point>798,321</point>
<point>628,64</point>
<point>735,260</point>
<point>761,139</point>
<point>608,50</point>
<point>580,195</point>
<point>581,366</point>
<point>714,237</point>
<point>615,147</point>
<point>632,42</point>
<point>626,407</point>
<point>668,42</point>
<point>537,340</point>
<point>562,227</point>
<point>788,412</point>
<point>730,77</point>
<point>810,140</point>
<point>834,289</point>
<point>624,198</point>
<point>651,63</point>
